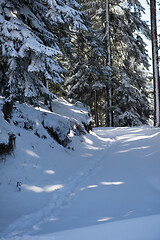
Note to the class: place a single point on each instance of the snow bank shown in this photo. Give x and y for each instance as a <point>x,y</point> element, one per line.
<point>106,187</point>
<point>37,157</point>
<point>6,133</point>
<point>4,130</point>
<point>4,126</point>
<point>145,228</point>
<point>58,124</point>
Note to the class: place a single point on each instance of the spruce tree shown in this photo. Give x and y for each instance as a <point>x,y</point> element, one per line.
<point>31,35</point>
<point>86,73</point>
<point>129,59</point>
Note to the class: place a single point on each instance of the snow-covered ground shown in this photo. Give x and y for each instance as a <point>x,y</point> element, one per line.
<point>105,185</point>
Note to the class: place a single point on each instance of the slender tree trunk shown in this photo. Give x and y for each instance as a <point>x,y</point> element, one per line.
<point>96,112</point>
<point>107,35</point>
<point>155,63</point>
<point>107,107</point>
<point>46,85</point>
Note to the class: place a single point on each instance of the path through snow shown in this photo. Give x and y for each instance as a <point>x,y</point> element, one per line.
<point>111,188</point>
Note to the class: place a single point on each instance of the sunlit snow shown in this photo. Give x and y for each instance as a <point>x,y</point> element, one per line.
<point>105,185</point>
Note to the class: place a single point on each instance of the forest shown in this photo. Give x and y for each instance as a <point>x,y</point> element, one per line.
<point>79,120</point>
<point>88,51</point>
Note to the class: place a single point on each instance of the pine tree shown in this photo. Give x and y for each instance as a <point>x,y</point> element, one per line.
<point>129,59</point>
<point>86,74</point>
<point>30,41</point>
<point>134,67</point>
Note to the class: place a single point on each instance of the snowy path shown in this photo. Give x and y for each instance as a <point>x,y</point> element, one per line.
<point>115,186</point>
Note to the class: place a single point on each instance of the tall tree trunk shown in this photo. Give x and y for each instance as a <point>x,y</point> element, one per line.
<point>46,85</point>
<point>107,36</point>
<point>96,112</point>
<point>155,63</point>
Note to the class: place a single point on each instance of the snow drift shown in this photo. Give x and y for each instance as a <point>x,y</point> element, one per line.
<point>105,184</point>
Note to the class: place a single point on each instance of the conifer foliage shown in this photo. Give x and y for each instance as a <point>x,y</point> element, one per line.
<point>95,47</point>
<point>126,91</point>
<point>85,78</point>
<point>29,45</point>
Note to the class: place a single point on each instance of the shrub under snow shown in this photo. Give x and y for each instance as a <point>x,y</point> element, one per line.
<point>65,119</point>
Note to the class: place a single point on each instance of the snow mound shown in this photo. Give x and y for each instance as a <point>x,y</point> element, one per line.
<point>125,230</point>
<point>106,188</point>
<point>4,130</point>
<point>6,133</point>
<point>58,124</point>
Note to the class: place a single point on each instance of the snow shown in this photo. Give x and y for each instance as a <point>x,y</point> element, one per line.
<point>5,130</point>
<point>103,185</point>
<point>125,230</point>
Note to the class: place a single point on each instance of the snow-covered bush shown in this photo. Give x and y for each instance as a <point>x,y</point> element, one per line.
<point>43,123</point>
<point>7,136</point>
<point>30,36</point>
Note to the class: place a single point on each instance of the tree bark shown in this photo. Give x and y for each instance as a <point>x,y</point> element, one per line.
<point>155,63</point>
<point>96,112</point>
<point>107,35</point>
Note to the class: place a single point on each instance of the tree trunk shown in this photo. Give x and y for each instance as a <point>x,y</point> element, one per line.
<point>107,35</point>
<point>96,112</point>
<point>155,63</point>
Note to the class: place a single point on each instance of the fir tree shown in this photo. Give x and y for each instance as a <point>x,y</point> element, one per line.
<point>86,74</point>
<point>30,33</point>
<point>129,59</point>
